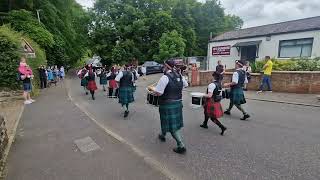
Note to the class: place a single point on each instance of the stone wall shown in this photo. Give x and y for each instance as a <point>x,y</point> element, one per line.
<point>3,136</point>
<point>282,81</point>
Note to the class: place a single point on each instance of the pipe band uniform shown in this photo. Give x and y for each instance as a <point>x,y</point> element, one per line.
<point>169,88</point>
<point>126,80</point>
<point>236,90</point>
<point>212,106</point>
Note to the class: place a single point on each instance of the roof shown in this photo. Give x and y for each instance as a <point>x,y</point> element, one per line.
<point>249,43</point>
<point>300,25</point>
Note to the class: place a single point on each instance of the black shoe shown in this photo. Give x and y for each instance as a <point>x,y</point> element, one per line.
<point>246,116</point>
<point>162,138</point>
<point>104,90</point>
<point>126,113</point>
<point>180,150</point>
<point>223,130</point>
<point>204,126</point>
<point>245,89</point>
<point>87,93</point>
<point>93,98</point>
<point>227,112</point>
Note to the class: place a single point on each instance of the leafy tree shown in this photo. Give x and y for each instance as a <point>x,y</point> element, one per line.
<point>170,45</point>
<point>143,23</point>
<point>22,20</point>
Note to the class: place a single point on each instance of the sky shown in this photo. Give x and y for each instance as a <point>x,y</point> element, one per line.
<point>261,12</point>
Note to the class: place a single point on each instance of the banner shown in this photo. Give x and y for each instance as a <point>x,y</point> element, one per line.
<point>221,50</point>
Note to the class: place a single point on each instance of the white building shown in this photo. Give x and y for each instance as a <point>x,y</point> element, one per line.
<point>292,39</point>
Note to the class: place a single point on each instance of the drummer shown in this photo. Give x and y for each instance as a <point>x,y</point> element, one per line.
<point>212,107</point>
<point>236,94</point>
<point>169,88</point>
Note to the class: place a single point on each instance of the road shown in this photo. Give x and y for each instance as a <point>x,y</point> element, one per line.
<point>56,141</point>
<point>279,142</point>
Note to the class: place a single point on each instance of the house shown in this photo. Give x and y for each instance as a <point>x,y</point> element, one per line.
<point>291,39</point>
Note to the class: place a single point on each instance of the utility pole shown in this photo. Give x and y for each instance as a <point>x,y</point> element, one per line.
<point>38,14</point>
<point>9,5</point>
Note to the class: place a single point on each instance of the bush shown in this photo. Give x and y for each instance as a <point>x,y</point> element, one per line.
<point>9,57</point>
<point>289,65</point>
<point>10,45</point>
<point>22,20</point>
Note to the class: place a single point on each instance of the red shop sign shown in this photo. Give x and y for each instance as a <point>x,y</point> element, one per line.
<point>221,50</point>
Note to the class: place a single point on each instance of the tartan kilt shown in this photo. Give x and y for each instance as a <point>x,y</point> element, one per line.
<point>84,82</point>
<point>213,109</point>
<point>113,84</point>
<point>126,95</point>
<point>92,86</point>
<point>171,116</point>
<point>103,81</point>
<point>237,96</point>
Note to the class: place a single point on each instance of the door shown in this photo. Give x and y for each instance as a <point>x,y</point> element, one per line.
<point>249,53</point>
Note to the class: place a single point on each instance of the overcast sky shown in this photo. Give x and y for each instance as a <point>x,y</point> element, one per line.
<point>260,12</point>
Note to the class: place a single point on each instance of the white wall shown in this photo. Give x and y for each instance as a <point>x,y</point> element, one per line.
<point>266,48</point>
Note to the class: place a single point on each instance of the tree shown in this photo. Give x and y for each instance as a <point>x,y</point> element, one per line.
<point>22,20</point>
<point>143,23</point>
<point>170,45</point>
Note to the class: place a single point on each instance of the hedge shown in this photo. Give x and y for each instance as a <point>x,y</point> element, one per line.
<point>10,53</point>
<point>289,65</point>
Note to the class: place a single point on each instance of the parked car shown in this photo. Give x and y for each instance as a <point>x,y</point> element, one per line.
<point>151,67</point>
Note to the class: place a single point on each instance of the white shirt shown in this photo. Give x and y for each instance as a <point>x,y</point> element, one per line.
<point>211,88</point>
<point>87,74</point>
<point>235,76</point>
<point>163,82</point>
<point>137,74</point>
<point>143,70</point>
<point>120,75</point>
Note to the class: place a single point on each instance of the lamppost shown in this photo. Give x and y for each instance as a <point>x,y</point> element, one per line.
<point>38,14</point>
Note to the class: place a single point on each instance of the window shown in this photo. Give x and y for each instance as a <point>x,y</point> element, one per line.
<point>295,48</point>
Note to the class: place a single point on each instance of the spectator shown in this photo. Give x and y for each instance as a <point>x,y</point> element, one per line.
<point>56,73</point>
<point>267,70</point>
<point>194,74</point>
<point>43,77</point>
<point>50,76</point>
<point>220,70</point>
<point>62,73</point>
<point>25,73</point>
<point>248,70</point>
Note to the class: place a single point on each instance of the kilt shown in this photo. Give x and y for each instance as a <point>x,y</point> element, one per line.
<point>113,84</point>
<point>103,80</point>
<point>171,116</point>
<point>84,82</point>
<point>237,96</point>
<point>92,86</point>
<point>213,109</point>
<point>126,95</point>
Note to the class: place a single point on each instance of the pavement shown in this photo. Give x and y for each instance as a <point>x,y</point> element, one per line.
<point>279,141</point>
<point>55,140</point>
<point>276,97</point>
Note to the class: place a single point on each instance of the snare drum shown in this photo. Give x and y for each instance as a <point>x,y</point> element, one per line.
<point>152,99</point>
<point>197,99</point>
<point>226,94</point>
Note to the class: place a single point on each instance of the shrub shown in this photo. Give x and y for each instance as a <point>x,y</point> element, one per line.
<point>9,57</point>
<point>10,44</point>
<point>22,20</point>
<point>289,65</point>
